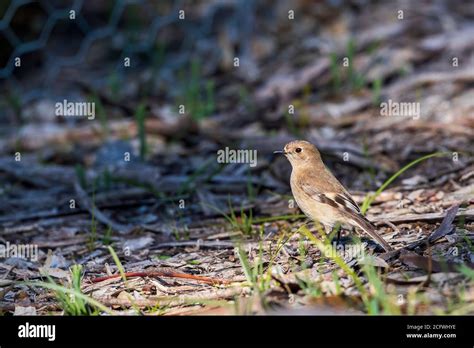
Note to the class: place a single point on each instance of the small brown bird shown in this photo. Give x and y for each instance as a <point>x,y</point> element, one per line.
<point>319,194</point>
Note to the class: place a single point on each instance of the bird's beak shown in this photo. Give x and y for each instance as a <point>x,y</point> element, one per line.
<point>280,152</point>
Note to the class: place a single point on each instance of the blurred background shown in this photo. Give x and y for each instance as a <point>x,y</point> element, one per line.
<point>248,74</point>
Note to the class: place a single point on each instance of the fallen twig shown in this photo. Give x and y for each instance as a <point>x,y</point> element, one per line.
<point>165,273</point>
<point>86,203</point>
<point>197,244</point>
<point>172,301</point>
<point>467,214</point>
<point>441,231</point>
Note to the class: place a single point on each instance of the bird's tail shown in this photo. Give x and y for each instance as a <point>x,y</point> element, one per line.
<point>368,228</point>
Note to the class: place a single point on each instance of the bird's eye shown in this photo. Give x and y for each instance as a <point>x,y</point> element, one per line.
<point>298,149</point>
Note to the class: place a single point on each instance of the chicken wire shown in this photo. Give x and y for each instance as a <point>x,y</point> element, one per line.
<point>56,51</point>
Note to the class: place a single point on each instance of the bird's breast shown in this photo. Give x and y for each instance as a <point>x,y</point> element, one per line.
<point>313,208</point>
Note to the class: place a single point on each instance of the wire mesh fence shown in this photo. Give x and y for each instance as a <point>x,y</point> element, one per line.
<point>48,48</point>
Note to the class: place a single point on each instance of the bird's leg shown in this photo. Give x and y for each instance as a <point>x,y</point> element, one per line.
<point>318,227</point>
<point>336,229</point>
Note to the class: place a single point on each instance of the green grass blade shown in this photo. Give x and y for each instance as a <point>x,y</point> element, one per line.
<point>244,261</point>
<point>140,114</point>
<point>59,288</point>
<point>337,259</point>
<point>118,263</point>
<point>370,198</point>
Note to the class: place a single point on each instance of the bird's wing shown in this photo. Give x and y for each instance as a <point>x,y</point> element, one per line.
<point>344,203</point>
<point>340,200</point>
<point>346,200</point>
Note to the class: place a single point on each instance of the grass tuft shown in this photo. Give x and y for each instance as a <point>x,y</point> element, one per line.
<point>197,95</point>
<point>71,298</point>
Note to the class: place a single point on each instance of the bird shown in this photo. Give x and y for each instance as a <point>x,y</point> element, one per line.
<point>320,195</point>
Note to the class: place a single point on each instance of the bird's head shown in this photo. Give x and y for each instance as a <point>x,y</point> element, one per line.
<point>300,152</point>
